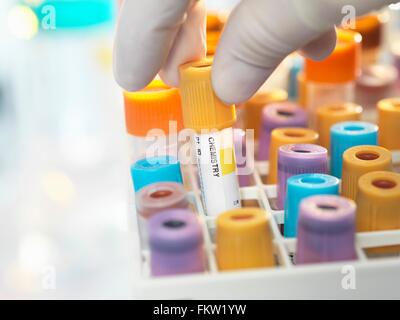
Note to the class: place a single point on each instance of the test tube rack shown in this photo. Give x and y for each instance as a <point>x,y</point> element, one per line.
<point>364,278</point>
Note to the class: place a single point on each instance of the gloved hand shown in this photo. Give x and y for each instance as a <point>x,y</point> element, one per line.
<point>159,35</point>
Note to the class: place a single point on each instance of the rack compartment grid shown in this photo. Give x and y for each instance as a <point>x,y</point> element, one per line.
<point>366,277</point>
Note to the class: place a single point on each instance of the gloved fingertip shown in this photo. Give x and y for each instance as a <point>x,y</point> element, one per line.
<point>235,82</point>
<point>322,47</point>
<point>129,81</point>
<point>170,77</point>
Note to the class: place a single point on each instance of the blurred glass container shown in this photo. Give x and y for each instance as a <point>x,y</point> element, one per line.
<point>66,90</point>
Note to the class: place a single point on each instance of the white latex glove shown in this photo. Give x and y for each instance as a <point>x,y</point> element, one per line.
<point>159,35</point>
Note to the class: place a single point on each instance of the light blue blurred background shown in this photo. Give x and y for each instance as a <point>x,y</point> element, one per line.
<point>63,166</point>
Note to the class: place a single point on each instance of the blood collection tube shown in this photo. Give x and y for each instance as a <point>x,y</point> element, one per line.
<point>360,160</point>
<point>300,187</point>
<point>244,240</point>
<point>155,198</point>
<point>332,80</point>
<point>326,230</point>
<point>376,82</point>
<point>251,111</point>
<point>153,120</point>
<point>156,169</point>
<point>329,115</point>
<point>176,243</point>
<point>294,159</point>
<point>160,196</point>
<point>212,122</point>
<point>345,135</point>
<point>282,136</point>
<point>278,115</point>
<point>378,203</point>
<point>389,123</point>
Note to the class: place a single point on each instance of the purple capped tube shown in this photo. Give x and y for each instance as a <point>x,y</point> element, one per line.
<point>326,230</point>
<point>294,159</point>
<point>176,243</point>
<point>278,115</point>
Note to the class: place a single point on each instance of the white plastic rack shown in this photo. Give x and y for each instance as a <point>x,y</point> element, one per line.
<point>365,277</point>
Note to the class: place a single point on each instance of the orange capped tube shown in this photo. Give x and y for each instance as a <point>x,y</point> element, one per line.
<point>282,136</point>
<point>154,111</point>
<point>244,240</point>
<point>360,160</point>
<point>331,114</point>
<point>212,122</point>
<point>389,123</point>
<point>332,80</point>
<point>378,203</point>
<point>251,111</point>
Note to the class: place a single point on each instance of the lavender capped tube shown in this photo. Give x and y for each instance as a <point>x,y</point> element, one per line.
<point>176,243</point>
<point>294,159</point>
<point>242,156</point>
<point>326,230</point>
<point>279,115</point>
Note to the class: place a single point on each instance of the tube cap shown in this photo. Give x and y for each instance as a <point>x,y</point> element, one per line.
<point>279,115</point>
<point>244,239</point>
<point>329,115</point>
<point>378,202</point>
<point>160,196</point>
<point>343,65</point>
<point>176,243</point>
<point>282,136</point>
<point>157,169</point>
<point>294,159</point>
<point>152,108</point>
<point>345,135</point>
<point>202,109</point>
<point>389,123</point>
<point>253,108</point>
<point>326,230</point>
<point>303,186</point>
<point>360,160</point>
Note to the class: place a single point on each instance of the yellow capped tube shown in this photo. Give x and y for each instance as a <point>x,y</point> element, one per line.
<point>378,203</point>
<point>244,240</point>
<point>331,114</point>
<point>282,136</point>
<point>360,160</point>
<point>212,122</point>
<point>389,123</point>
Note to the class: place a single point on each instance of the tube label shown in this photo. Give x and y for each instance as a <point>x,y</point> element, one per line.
<point>217,171</point>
